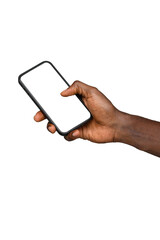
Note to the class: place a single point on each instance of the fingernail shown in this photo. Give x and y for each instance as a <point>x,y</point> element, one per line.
<point>49,127</point>
<point>75,134</point>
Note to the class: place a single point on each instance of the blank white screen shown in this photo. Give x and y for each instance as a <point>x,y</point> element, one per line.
<point>45,84</point>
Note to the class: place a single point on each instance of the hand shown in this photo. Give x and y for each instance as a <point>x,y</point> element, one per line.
<point>102,126</point>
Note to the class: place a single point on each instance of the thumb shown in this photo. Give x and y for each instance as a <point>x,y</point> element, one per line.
<point>77,88</point>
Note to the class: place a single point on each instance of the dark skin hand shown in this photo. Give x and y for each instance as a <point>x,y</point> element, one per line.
<point>108,124</point>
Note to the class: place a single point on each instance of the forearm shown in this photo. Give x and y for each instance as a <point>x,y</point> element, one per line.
<point>139,132</point>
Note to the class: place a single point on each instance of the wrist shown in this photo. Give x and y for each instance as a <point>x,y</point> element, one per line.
<point>123,121</point>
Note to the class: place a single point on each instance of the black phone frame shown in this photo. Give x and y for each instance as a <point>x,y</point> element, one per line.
<point>41,108</point>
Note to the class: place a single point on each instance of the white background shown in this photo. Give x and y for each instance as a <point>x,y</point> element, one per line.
<point>54,189</point>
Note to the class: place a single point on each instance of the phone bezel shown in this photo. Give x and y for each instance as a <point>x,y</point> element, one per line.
<point>39,105</point>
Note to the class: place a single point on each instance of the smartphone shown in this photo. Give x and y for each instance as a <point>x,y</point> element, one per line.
<point>44,83</point>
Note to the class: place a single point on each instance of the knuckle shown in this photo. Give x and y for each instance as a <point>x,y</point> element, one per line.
<point>94,90</point>
<point>76,86</point>
<point>76,82</point>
